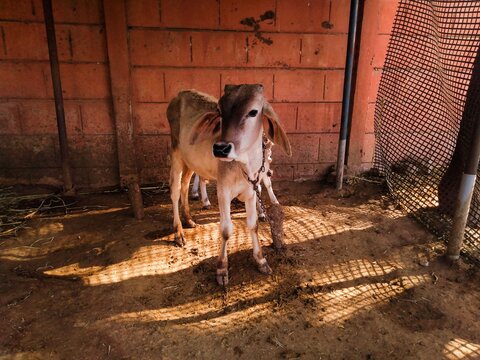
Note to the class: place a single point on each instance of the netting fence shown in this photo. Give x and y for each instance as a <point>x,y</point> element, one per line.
<point>427,104</point>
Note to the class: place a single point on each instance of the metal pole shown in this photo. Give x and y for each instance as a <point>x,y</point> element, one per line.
<point>347,91</point>
<point>57,91</point>
<point>471,115</point>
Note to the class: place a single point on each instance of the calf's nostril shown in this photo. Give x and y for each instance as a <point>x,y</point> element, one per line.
<point>221,149</point>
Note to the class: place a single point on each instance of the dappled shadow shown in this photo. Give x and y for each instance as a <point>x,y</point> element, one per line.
<point>339,267</point>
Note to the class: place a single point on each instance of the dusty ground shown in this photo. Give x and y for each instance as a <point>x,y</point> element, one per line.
<point>352,285</point>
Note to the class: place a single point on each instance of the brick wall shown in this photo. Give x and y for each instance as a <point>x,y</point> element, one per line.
<point>376,28</point>
<point>29,150</point>
<point>298,55</point>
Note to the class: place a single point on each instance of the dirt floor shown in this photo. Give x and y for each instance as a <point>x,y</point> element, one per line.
<point>359,280</point>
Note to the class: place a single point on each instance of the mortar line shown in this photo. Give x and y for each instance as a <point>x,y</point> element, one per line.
<point>4,41</point>
<point>273,87</point>
<point>301,50</point>
<point>160,14</point>
<point>191,50</point>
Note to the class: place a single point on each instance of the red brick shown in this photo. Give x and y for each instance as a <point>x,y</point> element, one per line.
<point>103,177</point>
<point>154,175</point>
<point>97,118</point>
<point>328,148</point>
<point>313,15</point>
<point>219,49</point>
<point>39,117</point>
<point>320,117</point>
<point>374,85</point>
<point>21,10</point>
<point>27,151</point>
<point>283,171</point>
<point>324,51</point>
<point>283,52</point>
<point>234,11</point>
<point>93,151</point>
<point>368,148</point>
<point>13,154</point>
<point>78,11</point>
<point>340,15</point>
<point>386,13</point>
<point>81,43</point>
<point>144,13</point>
<point>81,178</point>
<point>152,47</point>
<point>87,81</point>
<point>263,77</point>
<point>311,171</point>
<point>9,118</point>
<point>369,123</point>
<point>190,14</point>
<point>151,118</point>
<point>381,45</point>
<point>206,81</point>
<point>153,151</point>
<point>148,84</point>
<point>334,85</point>
<point>299,85</point>
<point>287,114</point>
<point>24,41</point>
<point>23,80</point>
<point>46,176</point>
<point>14,177</point>
<point>304,150</point>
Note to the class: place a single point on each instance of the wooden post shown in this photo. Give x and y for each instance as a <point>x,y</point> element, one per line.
<point>119,65</point>
<point>68,188</point>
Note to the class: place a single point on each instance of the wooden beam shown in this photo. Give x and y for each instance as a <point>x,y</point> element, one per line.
<point>119,65</point>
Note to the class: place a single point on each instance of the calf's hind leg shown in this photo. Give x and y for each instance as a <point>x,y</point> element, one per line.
<point>176,171</point>
<point>203,191</point>
<point>185,182</point>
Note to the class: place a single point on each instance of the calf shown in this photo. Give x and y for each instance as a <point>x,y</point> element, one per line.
<point>223,141</point>
<point>264,177</point>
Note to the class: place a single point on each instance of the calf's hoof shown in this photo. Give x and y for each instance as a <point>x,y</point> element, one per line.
<point>179,239</point>
<point>206,207</point>
<point>194,197</point>
<point>189,223</point>
<point>264,268</point>
<point>262,218</point>
<point>222,277</point>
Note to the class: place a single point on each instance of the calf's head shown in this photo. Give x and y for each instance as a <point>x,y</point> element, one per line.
<point>244,116</point>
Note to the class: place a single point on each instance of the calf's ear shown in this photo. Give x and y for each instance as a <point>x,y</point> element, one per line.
<point>205,127</point>
<point>273,129</point>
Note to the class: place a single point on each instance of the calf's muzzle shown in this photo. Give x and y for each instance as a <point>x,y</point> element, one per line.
<point>222,149</point>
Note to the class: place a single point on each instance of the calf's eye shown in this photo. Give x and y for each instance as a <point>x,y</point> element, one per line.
<point>252,113</point>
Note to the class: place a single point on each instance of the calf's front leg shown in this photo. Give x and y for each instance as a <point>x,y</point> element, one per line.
<point>226,229</point>
<point>250,207</point>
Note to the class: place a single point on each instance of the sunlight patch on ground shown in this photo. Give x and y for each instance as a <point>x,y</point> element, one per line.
<point>29,355</point>
<point>301,224</point>
<point>461,349</point>
<point>328,294</point>
<point>209,307</point>
<point>339,305</point>
<point>352,270</point>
